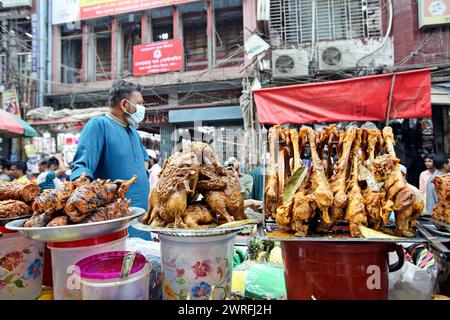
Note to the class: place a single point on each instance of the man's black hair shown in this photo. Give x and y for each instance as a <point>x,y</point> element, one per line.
<point>439,161</point>
<point>121,90</point>
<point>5,163</point>
<point>430,156</point>
<point>43,163</point>
<point>52,161</point>
<point>22,166</point>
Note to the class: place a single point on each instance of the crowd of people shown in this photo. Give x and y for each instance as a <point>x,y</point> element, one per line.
<point>52,172</point>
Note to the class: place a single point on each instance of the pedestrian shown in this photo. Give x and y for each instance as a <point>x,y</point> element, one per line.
<point>49,179</point>
<point>155,168</point>
<point>42,166</point>
<point>258,182</point>
<point>245,179</point>
<point>111,148</point>
<point>441,163</point>
<point>5,167</point>
<point>19,172</point>
<point>425,175</point>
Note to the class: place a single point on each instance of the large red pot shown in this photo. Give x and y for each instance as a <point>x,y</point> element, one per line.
<point>338,270</point>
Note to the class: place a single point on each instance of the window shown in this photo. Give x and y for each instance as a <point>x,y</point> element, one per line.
<point>195,38</point>
<point>229,36</point>
<point>131,29</point>
<point>305,21</point>
<point>102,33</point>
<point>71,56</point>
<point>162,24</point>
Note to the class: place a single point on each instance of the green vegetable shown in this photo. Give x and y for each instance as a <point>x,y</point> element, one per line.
<point>294,183</point>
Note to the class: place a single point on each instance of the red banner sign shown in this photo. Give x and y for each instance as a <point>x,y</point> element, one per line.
<point>357,99</point>
<point>90,9</point>
<point>158,57</point>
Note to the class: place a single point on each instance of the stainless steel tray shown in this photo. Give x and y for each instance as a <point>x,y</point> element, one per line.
<point>264,234</point>
<point>429,229</point>
<point>5,221</point>
<point>137,224</point>
<point>74,232</point>
<point>439,224</point>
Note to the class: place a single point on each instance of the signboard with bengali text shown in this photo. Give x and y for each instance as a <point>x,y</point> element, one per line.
<point>90,9</point>
<point>158,57</point>
<point>433,12</point>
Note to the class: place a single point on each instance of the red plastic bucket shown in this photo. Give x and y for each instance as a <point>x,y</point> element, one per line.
<point>338,271</point>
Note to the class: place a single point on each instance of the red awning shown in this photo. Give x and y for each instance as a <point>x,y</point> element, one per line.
<point>357,99</point>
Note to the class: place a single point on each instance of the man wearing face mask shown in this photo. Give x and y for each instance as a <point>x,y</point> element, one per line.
<point>110,146</point>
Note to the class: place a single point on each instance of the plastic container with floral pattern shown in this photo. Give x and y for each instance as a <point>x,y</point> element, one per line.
<point>21,266</point>
<point>197,268</point>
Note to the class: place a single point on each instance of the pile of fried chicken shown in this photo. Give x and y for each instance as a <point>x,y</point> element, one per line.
<point>16,199</point>
<point>441,211</point>
<point>361,188</point>
<point>81,201</point>
<point>195,191</point>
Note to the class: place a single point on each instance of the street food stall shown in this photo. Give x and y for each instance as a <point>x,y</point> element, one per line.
<point>335,199</point>
<point>343,214</point>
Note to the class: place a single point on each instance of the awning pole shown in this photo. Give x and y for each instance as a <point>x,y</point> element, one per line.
<point>390,99</point>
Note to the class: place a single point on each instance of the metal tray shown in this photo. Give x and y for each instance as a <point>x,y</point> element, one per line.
<point>73,232</point>
<point>429,229</point>
<point>5,221</point>
<point>264,235</point>
<point>439,224</point>
<point>137,224</point>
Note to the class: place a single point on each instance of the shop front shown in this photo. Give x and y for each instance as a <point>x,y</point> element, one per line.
<point>220,127</point>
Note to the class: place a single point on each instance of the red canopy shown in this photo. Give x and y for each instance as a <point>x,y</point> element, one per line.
<point>357,99</point>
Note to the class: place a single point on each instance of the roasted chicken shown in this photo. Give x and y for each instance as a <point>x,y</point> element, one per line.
<point>228,203</point>
<point>59,221</point>
<point>17,191</point>
<point>441,211</point>
<point>362,189</point>
<point>321,190</point>
<point>114,210</point>
<point>356,211</point>
<point>13,209</point>
<point>195,191</point>
<point>87,198</point>
<point>272,192</point>
<point>53,200</point>
<point>197,216</point>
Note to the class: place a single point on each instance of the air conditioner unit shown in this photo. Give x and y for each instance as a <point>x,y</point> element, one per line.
<point>346,54</point>
<point>290,63</point>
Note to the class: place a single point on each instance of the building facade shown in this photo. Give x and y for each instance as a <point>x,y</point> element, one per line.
<point>17,88</point>
<point>193,83</point>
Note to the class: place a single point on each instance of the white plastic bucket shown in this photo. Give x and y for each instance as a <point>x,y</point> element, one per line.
<point>21,266</point>
<point>100,277</point>
<point>197,268</point>
<point>66,284</point>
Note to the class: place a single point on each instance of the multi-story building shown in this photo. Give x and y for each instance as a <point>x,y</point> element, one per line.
<point>187,55</point>
<point>16,65</point>
<point>421,30</point>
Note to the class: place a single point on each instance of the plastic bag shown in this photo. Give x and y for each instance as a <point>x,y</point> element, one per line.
<point>411,283</point>
<point>259,281</point>
<point>151,250</point>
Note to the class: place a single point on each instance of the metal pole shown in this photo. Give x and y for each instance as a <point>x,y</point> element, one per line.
<point>390,99</point>
<point>49,41</point>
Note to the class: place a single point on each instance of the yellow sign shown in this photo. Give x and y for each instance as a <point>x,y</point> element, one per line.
<point>433,12</point>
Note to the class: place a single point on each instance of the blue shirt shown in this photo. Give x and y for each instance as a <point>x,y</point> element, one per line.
<point>46,180</point>
<point>108,150</point>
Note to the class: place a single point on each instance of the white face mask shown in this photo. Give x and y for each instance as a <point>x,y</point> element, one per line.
<point>139,115</point>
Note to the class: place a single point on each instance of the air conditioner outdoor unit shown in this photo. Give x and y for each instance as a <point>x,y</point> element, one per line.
<point>290,63</point>
<point>345,54</point>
